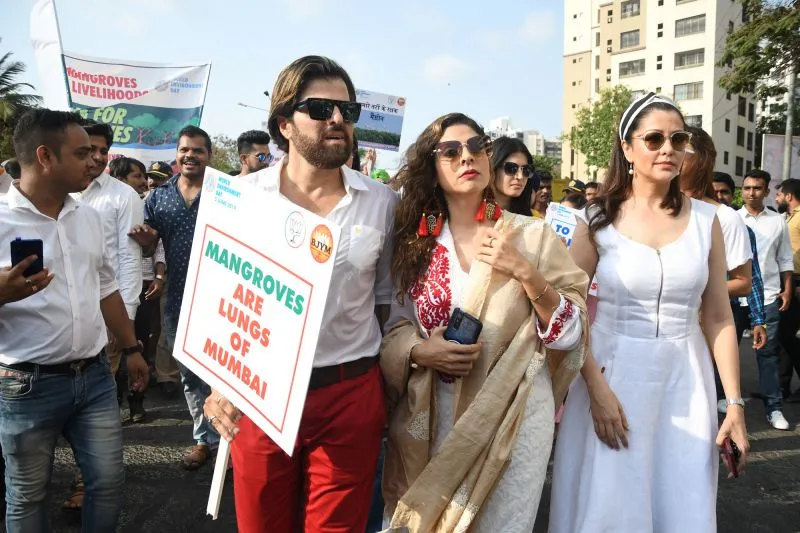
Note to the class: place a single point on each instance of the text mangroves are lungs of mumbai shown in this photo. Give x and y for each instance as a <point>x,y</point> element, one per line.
<point>258,281</point>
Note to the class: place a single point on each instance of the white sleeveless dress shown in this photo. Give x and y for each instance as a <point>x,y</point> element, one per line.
<point>647,337</point>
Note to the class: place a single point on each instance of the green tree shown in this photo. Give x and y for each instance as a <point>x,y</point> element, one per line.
<point>13,99</point>
<point>543,162</point>
<point>596,126</point>
<point>145,124</point>
<point>224,153</point>
<point>775,120</point>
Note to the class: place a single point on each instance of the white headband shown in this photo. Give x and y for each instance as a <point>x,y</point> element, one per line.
<point>639,105</point>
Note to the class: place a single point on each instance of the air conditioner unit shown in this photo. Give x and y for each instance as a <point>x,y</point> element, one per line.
<point>608,49</point>
<point>608,78</point>
<point>610,20</point>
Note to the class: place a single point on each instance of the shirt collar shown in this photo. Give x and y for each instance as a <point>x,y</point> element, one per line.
<point>764,212</point>
<point>17,200</point>
<point>269,178</point>
<point>98,182</point>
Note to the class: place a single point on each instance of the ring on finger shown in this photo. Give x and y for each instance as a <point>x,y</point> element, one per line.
<point>211,419</point>
<point>218,399</point>
<point>491,242</point>
<point>28,281</point>
<point>34,288</point>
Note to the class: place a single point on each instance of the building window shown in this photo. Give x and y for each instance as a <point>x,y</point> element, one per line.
<point>574,60</point>
<point>690,58</point>
<point>660,25</point>
<point>573,84</point>
<point>742,106</point>
<point>739,165</point>
<point>751,112</point>
<point>690,26</point>
<point>597,39</point>
<point>679,2</point>
<point>660,2</point>
<point>727,96</point>
<point>631,68</point>
<point>596,62</point>
<point>597,85</point>
<point>689,91</point>
<point>750,140</point>
<point>727,124</point>
<point>748,166</point>
<point>660,34</point>
<point>730,27</point>
<point>725,158</point>
<point>630,8</point>
<point>740,136</point>
<point>628,39</point>
<point>571,156</point>
<point>695,120</point>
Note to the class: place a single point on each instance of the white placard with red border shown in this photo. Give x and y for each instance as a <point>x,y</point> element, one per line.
<point>255,293</point>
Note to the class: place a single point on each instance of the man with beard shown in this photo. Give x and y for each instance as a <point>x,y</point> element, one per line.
<point>326,484</point>
<point>254,153</point>
<point>170,212</point>
<point>788,201</point>
<point>544,194</point>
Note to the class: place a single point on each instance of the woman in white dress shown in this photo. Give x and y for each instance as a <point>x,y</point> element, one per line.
<point>471,426</point>
<point>636,447</point>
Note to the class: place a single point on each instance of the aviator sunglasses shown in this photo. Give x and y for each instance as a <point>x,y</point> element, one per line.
<point>511,170</point>
<point>453,149</point>
<point>654,140</point>
<point>322,108</point>
<point>264,158</point>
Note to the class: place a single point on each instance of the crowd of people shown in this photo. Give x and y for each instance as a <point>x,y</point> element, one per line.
<point>402,429</point>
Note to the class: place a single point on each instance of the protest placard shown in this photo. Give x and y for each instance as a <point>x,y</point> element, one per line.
<point>256,289</point>
<point>381,121</point>
<point>563,221</point>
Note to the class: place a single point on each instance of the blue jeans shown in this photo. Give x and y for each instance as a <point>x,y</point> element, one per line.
<point>36,408</point>
<point>768,360</point>
<point>195,389</point>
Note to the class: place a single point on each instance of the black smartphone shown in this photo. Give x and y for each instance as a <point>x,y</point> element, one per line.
<point>22,248</point>
<point>731,454</point>
<point>463,328</point>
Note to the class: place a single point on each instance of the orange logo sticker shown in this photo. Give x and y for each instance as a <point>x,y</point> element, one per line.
<point>321,243</point>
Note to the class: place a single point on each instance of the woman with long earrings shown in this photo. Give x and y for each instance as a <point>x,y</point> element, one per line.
<point>636,446</point>
<point>515,181</point>
<point>472,424</point>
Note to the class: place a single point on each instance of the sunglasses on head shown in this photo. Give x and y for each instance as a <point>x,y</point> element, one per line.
<point>264,158</point>
<point>453,149</point>
<point>322,108</point>
<point>511,169</point>
<point>654,140</point>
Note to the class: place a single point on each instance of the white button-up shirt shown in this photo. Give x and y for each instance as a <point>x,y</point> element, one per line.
<point>62,322</point>
<point>121,209</point>
<point>774,250</point>
<point>361,274</point>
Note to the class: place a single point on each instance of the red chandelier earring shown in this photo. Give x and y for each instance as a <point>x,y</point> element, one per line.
<point>431,221</point>
<point>489,208</point>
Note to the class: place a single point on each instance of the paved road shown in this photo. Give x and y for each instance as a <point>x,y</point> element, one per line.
<point>160,496</point>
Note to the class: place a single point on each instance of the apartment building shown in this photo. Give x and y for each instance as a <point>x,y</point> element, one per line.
<point>666,46</point>
<point>502,126</point>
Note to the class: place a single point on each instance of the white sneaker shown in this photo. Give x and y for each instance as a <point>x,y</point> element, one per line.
<point>747,334</point>
<point>777,420</point>
<point>722,407</point>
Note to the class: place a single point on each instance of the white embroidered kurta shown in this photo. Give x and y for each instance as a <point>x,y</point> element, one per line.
<point>513,503</point>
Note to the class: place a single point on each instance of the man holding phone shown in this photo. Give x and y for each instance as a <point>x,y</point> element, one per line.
<point>54,374</point>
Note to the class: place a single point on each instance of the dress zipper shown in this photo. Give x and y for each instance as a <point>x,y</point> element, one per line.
<point>660,289</point>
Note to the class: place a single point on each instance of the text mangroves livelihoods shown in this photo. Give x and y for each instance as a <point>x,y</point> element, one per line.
<point>257,285</point>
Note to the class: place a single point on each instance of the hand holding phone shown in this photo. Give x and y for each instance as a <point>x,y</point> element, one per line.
<point>15,285</point>
<point>463,328</point>
<point>730,455</point>
<point>447,357</point>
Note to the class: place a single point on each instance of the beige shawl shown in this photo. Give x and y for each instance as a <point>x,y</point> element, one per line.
<point>445,492</point>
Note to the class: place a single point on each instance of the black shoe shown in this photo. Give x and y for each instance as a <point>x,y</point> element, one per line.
<point>169,388</point>
<point>136,404</point>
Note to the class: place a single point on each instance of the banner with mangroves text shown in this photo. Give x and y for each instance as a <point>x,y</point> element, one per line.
<point>146,104</point>
<point>255,293</point>
<point>381,122</point>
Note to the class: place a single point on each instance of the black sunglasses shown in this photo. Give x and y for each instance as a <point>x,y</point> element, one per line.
<point>264,158</point>
<point>511,169</point>
<point>322,108</point>
<point>654,140</point>
<point>453,149</point>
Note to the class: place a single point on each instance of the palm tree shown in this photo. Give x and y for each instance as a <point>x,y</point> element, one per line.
<point>12,98</point>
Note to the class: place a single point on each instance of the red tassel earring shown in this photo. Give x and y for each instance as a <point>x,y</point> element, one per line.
<point>422,230</point>
<point>430,224</point>
<point>489,209</point>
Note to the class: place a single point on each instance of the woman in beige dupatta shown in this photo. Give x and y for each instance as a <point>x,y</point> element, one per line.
<point>472,425</point>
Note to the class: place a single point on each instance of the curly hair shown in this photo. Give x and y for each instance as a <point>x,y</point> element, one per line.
<point>697,177</point>
<point>418,179</point>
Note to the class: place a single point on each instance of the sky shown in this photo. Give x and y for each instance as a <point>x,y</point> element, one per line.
<point>485,59</point>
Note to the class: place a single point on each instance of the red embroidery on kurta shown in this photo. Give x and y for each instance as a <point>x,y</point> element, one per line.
<point>558,323</point>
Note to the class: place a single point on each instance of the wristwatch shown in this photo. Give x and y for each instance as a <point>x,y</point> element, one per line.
<point>160,277</point>
<point>735,401</point>
<point>132,349</point>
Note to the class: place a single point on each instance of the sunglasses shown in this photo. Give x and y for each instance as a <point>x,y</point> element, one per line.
<point>654,140</point>
<point>454,149</point>
<point>322,108</point>
<point>264,158</point>
<point>511,169</point>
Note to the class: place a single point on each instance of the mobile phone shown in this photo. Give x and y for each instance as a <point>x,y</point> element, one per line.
<point>730,455</point>
<point>22,248</point>
<point>463,328</point>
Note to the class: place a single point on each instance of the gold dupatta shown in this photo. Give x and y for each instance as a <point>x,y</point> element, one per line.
<point>445,492</point>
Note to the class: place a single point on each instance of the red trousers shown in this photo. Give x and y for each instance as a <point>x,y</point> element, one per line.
<point>326,485</point>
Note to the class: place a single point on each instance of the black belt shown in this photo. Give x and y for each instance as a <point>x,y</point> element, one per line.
<point>329,375</point>
<point>73,367</point>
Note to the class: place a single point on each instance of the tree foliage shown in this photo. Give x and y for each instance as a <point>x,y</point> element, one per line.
<point>775,120</point>
<point>759,54</point>
<point>596,126</point>
<point>544,162</point>
<point>13,97</point>
<point>224,153</point>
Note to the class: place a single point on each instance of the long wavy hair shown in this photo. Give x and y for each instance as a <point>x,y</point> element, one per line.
<point>420,193</point>
<point>604,208</point>
<point>503,148</point>
<point>698,180</point>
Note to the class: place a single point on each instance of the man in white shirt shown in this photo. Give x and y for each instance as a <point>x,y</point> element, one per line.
<point>775,260</point>
<point>326,484</point>
<point>54,375</point>
<point>120,208</point>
